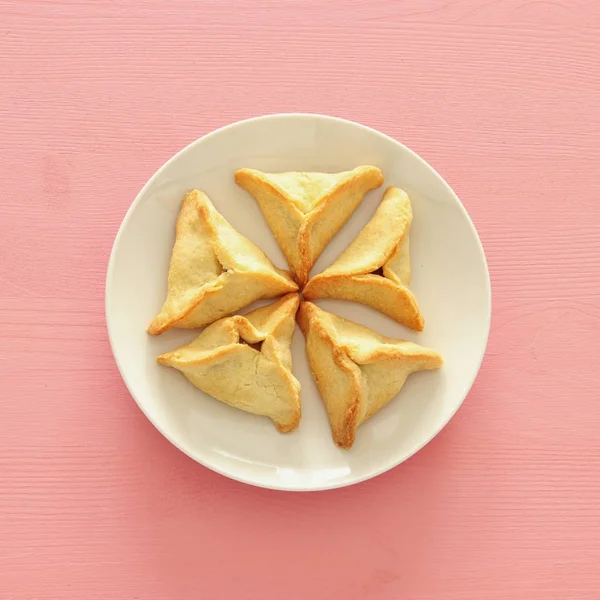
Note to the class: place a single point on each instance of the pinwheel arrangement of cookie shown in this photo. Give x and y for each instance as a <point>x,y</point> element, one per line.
<point>245,361</point>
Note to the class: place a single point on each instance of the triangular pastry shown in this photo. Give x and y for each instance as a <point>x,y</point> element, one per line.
<point>305,210</point>
<point>375,268</point>
<point>356,370</point>
<point>214,270</point>
<point>245,361</point>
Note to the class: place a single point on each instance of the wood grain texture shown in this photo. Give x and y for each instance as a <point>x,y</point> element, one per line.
<point>502,97</point>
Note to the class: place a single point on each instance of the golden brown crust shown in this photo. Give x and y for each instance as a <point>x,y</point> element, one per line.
<point>382,245</point>
<point>245,361</point>
<point>214,270</point>
<point>356,370</point>
<point>162,322</point>
<point>343,425</point>
<point>305,210</point>
<point>395,301</point>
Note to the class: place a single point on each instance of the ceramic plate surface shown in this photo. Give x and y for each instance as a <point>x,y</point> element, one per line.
<point>450,281</point>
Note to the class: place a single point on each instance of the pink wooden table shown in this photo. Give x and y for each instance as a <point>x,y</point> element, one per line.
<point>502,97</point>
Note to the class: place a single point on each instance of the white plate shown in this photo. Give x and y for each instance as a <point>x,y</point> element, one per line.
<point>450,281</point>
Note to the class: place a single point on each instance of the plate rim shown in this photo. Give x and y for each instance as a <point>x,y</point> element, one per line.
<point>231,474</point>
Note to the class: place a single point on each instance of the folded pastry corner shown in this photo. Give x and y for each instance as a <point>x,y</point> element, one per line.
<point>305,210</point>
<point>245,361</point>
<point>375,268</point>
<point>214,270</point>
<point>357,370</point>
